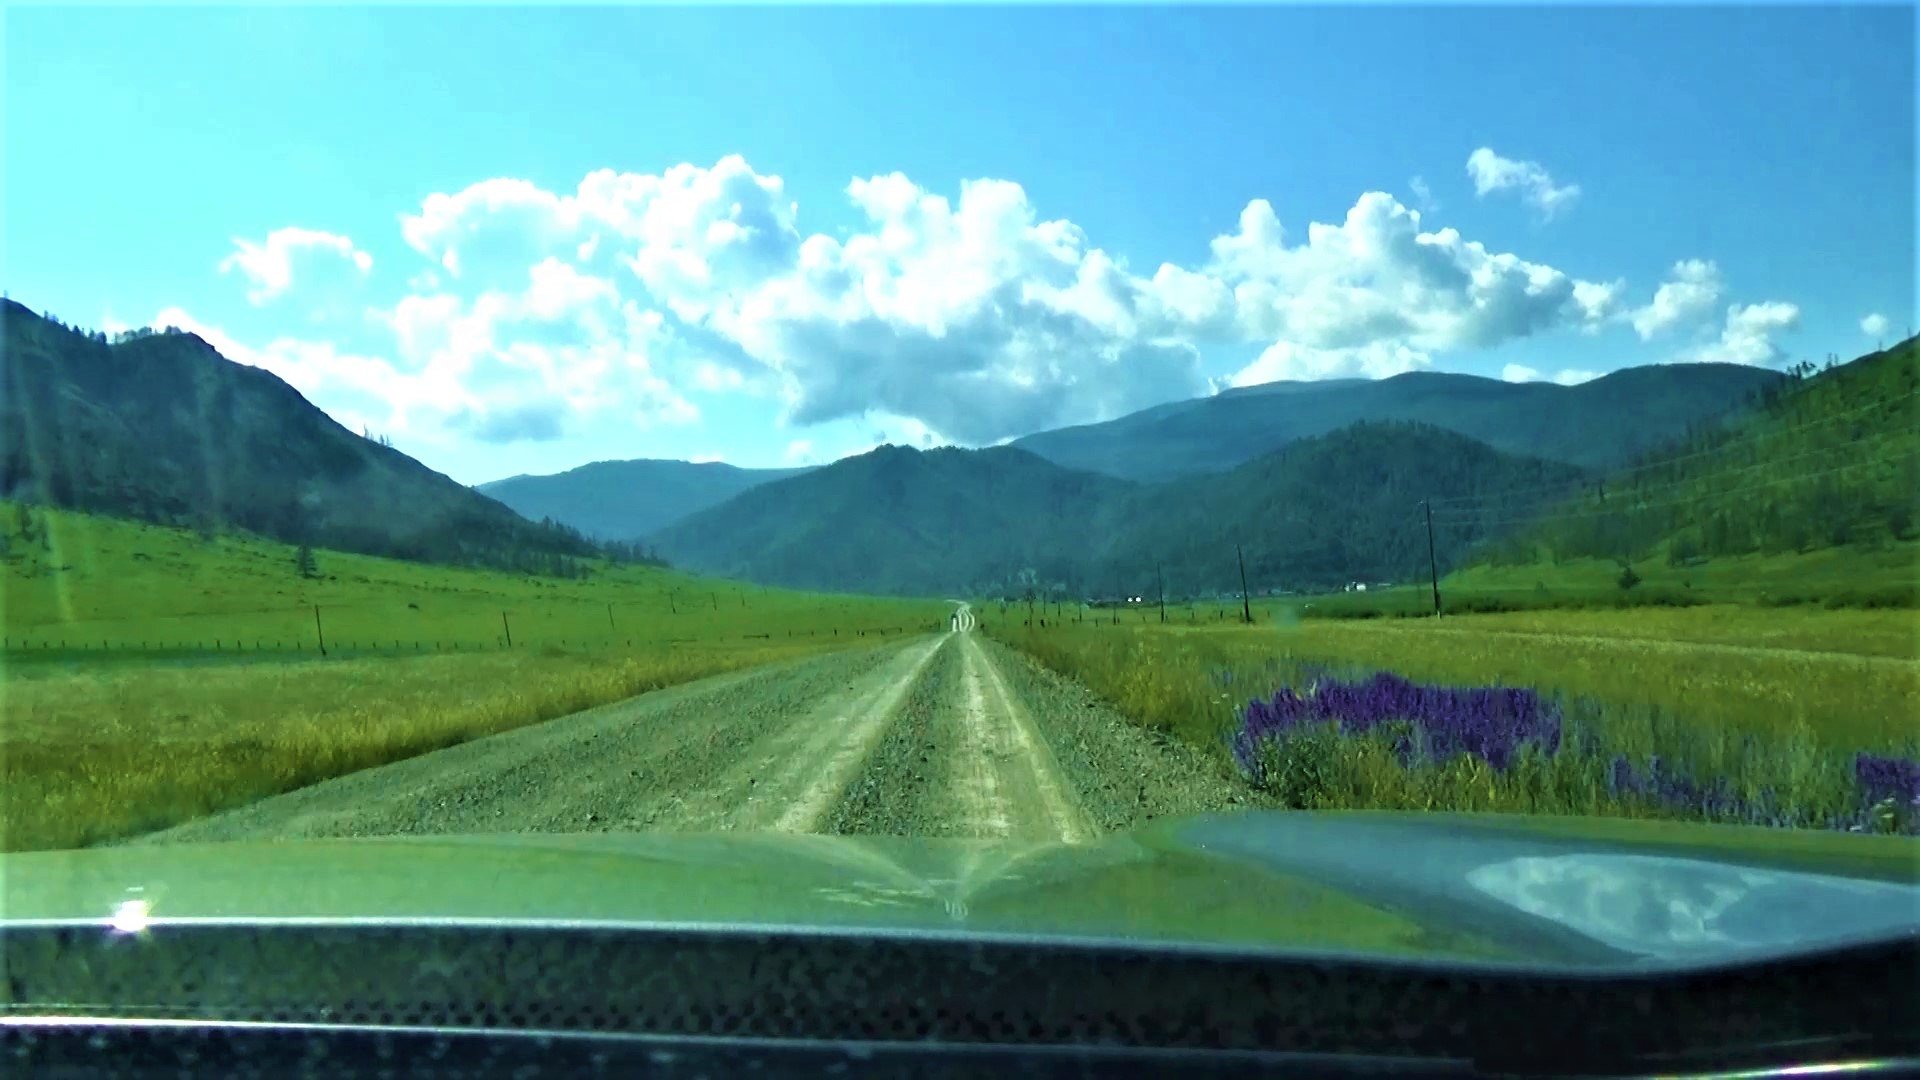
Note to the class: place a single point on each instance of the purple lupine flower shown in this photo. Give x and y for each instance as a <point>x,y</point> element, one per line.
<point>1621,779</point>
<point>1887,778</point>
<point>1489,722</point>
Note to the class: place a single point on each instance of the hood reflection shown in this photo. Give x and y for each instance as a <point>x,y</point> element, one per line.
<point>1674,908</point>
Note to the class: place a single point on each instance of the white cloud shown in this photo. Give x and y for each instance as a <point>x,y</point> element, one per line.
<point>938,317</point>
<point>501,366</point>
<point>1520,373</point>
<point>1689,296</point>
<point>800,452</point>
<point>1286,360</point>
<point>354,389</point>
<point>1875,326</point>
<point>1748,335</point>
<point>1423,195</point>
<point>1377,278</point>
<point>1492,173</point>
<point>312,259</point>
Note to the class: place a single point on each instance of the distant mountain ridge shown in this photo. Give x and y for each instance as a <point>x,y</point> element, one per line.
<point>1320,512</point>
<point>899,520</point>
<point>1597,424</point>
<point>625,500</point>
<point>162,428</point>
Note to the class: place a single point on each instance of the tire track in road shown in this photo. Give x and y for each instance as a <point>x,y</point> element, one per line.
<point>980,797</point>
<point>787,781</point>
<point>1018,779</point>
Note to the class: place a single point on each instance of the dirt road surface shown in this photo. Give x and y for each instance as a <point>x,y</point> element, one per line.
<point>942,735</point>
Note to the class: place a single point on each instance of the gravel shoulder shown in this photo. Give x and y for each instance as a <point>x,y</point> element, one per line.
<point>1122,774</point>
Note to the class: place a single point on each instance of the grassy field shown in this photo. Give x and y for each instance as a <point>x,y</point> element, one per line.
<point>1883,577</point>
<point>153,675</point>
<point>1773,703</point>
<point>104,584</point>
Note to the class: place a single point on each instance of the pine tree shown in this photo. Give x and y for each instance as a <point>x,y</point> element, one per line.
<point>303,562</point>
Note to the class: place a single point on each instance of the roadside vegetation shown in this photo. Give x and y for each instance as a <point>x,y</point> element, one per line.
<point>153,675</point>
<point>1799,717</point>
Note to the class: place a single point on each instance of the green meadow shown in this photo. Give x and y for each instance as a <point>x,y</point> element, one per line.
<point>1777,701</point>
<point>1885,576</point>
<point>153,675</point>
<point>109,585</point>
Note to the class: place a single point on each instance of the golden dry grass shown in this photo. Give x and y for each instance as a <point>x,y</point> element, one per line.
<point>91,755</point>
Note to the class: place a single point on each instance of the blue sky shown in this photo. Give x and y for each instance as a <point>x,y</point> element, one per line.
<point>813,230</point>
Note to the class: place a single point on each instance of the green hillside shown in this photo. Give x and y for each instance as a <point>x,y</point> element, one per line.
<point>1604,423</point>
<point>1322,512</point>
<point>1830,462</point>
<point>162,428</point>
<point>77,583</point>
<point>624,500</point>
<point>899,520</point>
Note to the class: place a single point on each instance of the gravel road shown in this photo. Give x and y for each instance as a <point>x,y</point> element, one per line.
<point>942,735</point>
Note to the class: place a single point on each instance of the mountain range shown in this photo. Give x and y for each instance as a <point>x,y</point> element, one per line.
<point>1598,424</point>
<point>622,500</point>
<point>1313,484</point>
<point>1321,512</point>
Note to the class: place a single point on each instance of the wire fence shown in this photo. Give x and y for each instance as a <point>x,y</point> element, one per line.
<point>55,643</point>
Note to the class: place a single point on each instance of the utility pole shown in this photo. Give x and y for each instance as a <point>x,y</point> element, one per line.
<point>671,610</point>
<point>1433,564</point>
<point>1160,582</point>
<point>508,630</point>
<point>318,632</point>
<point>610,625</point>
<point>1246,608</point>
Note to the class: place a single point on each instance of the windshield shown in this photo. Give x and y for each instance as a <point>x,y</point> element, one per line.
<point>929,458</point>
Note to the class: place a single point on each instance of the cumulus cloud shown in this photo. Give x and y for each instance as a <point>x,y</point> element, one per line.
<point>355,389</point>
<point>979,317</point>
<point>500,366</point>
<point>1565,376</point>
<point>1492,173</point>
<point>1875,326</point>
<point>1747,337</point>
<point>1285,360</point>
<point>1377,278</point>
<point>316,261</point>
<point>967,315</point>
<point>1688,297</point>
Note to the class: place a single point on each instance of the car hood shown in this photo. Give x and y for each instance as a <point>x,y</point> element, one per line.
<point>1566,892</point>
